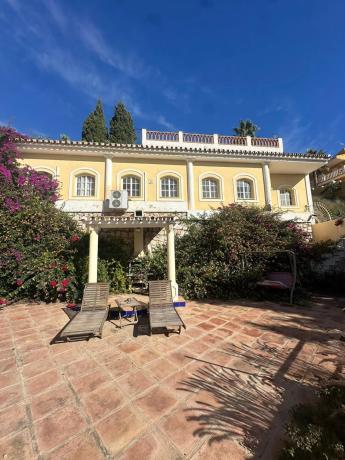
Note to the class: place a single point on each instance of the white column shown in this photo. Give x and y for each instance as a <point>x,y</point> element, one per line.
<point>180,136</point>
<point>267,184</point>
<point>190,185</point>
<point>171,260</point>
<point>138,242</point>
<point>309,194</point>
<point>93,254</point>
<point>249,141</point>
<point>108,175</point>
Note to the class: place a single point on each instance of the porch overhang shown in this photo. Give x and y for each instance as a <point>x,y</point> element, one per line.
<point>102,221</point>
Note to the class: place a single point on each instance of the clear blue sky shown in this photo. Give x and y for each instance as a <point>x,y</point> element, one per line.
<point>192,65</point>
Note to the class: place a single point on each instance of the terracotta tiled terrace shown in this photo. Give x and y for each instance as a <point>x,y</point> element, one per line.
<point>220,390</point>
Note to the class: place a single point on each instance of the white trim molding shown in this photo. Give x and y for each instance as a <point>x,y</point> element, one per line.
<point>220,180</point>
<point>254,181</point>
<point>72,192</point>
<point>133,172</point>
<point>295,200</point>
<point>169,173</point>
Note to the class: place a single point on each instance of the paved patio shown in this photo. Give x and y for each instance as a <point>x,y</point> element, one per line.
<point>221,390</point>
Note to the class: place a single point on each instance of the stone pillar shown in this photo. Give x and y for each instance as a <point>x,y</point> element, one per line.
<point>171,260</point>
<point>93,254</point>
<point>267,185</point>
<point>309,194</point>
<point>138,242</point>
<point>108,175</point>
<point>190,185</point>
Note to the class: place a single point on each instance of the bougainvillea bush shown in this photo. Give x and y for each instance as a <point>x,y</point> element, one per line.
<point>37,240</point>
<point>223,255</point>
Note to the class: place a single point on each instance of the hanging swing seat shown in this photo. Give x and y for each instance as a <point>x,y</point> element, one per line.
<point>278,280</point>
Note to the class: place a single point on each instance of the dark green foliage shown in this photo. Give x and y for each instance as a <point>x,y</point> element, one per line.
<point>317,431</point>
<point>217,256</point>
<point>331,191</point>
<point>94,127</point>
<point>113,258</point>
<point>121,129</point>
<point>246,128</point>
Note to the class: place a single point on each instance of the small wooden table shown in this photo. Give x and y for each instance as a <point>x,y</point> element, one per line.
<point>131,304</point>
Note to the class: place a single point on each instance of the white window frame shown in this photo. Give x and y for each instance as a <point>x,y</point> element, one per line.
<point>73,183</point>
<point>134,183</point>
<point>219,179</point>
<point>161,175</point>
<point>254,185</point>
<point>89,185</point>
<point>295,202</point>
<point>140,175</point>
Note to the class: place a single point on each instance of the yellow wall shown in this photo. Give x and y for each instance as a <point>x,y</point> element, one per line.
<point>64,166</point>
<point>295,181</point>
<point>328,231</point>
<point>151,169</point>
<point>227,172</point>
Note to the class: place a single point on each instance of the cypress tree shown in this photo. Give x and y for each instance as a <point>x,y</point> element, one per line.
<point>94,128</point>
<point>121,126</point>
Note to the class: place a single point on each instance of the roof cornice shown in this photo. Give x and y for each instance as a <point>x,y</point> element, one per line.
<point>102,148</point>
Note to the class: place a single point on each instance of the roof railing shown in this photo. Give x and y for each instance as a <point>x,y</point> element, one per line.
<point>211,139</point>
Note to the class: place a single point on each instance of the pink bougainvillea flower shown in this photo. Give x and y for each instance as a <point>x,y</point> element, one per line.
<point>5,172</point>
<point>19,282</point>
<point>37,237</point>
<point>53,284</point>
<point>74,238</point>
<point>2,301</point>
<point>64,268</point>
<point>12,205</point>
<point>65,283</point>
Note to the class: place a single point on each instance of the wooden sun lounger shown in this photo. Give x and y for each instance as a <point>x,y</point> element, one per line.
<point>93,313</point>
<point>162,313</point>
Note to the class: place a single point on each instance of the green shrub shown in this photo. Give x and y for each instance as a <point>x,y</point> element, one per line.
<point>225,254</point>
<point>317,431</point>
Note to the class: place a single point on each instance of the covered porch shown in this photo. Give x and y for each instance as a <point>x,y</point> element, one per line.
<point>95,224</point>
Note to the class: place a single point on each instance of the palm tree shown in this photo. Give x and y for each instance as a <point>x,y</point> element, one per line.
<point>246,128</point>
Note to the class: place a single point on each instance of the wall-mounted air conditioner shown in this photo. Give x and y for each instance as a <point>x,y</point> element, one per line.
<point>118,199</point>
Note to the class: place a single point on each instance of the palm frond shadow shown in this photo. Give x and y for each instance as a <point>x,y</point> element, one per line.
<point>245,398</point>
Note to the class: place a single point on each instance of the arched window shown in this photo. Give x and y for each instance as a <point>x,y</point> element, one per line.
<point>86,185</point>
<point>244,188</point>
<point>133,185</point>
<point>287,197</point>
<point>210,188</point>
<point>169,187</point>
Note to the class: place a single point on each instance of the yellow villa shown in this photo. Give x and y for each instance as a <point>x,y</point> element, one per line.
<point>144,189</point>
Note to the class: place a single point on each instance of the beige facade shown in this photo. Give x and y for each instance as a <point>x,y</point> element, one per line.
<point>171,175</point>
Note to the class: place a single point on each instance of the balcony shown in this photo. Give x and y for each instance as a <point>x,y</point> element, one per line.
<point>210,141</point>
<point>336,174</point>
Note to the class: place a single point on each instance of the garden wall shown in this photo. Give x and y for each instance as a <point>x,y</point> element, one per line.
<point>328,231</point>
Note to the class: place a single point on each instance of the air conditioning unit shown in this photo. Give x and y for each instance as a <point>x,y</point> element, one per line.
<point>118,199</point>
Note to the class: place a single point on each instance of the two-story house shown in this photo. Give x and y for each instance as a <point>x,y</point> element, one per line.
<point>168,176</point>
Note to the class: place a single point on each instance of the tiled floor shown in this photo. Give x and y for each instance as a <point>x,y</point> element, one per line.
<point>220,390</point>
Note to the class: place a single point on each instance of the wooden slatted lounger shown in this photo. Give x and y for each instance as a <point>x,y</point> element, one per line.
<point>162,313</point>
<point>93,313</point>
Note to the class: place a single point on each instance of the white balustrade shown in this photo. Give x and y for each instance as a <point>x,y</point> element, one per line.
<point>195,140</point>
